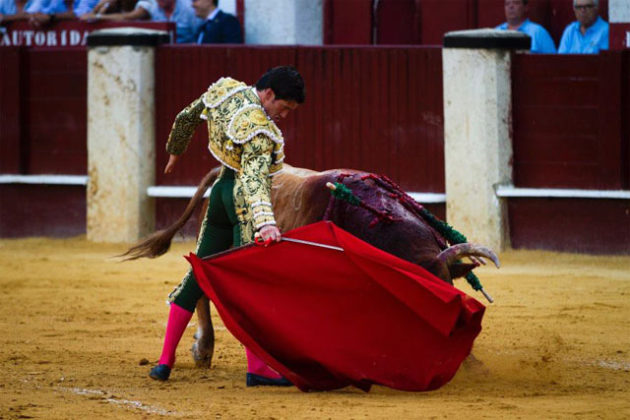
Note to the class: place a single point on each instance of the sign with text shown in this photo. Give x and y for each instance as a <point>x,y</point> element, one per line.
<point>72,33</point>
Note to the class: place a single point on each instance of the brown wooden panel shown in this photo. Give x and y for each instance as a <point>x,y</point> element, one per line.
<point>398,22</point>
<point>558,91</point>
<point>369,108</point>
<point>610,126</point>
<point>56,110</point>
<point>570,225</point>
<point>10,111</point>
<point>490,13</point>
<point>571,121</point>
<point>625,119</point>
<point>578,67</point>
<point>348,22</point>
<point>567,124</point>
<point>42,210</point>
<point>441,16</point>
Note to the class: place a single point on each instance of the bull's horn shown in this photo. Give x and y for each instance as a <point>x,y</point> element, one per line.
<point>456,252</point>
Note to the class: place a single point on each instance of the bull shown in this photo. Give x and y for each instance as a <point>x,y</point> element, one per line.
<point>386,218</point>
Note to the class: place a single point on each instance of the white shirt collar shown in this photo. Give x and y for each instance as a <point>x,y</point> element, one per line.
<point>214,13</point>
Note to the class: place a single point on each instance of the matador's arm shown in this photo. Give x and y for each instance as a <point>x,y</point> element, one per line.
<point>184,127</point>
<point>255,164</point>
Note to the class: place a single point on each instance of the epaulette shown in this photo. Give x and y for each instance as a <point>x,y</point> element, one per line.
<point>221,90</point>
<point>250,121</point>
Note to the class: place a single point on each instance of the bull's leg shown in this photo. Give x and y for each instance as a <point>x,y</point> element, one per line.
<point>203,349</point>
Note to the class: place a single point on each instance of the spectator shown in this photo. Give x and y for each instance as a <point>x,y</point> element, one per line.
<point>118,10</point>
<point>218,27</point>
<point>587,35</point>
<point>12,10</point>
<point>516,16</point>
<point>83,7</point>
<point>79,8</point>
<point>180,12</point>
<point>38,12</point>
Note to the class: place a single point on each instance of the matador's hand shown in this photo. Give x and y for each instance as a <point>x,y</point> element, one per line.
<point>270,232</point>
<point>172,159</point>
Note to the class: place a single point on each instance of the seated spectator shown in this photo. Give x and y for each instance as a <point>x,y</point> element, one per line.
<point>83,7</point>
<point>79,8</point>
<point>516,16</point>
<point>37,12</point>
<point>218,27</point>
<point>12,10</point>
<point>587,35</point>
<point>119,10</point>
<point>178,11</point>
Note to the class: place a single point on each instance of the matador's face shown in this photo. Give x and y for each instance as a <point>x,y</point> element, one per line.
<point>277,109</point>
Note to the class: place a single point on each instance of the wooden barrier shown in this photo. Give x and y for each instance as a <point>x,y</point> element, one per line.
<point>373,108</point>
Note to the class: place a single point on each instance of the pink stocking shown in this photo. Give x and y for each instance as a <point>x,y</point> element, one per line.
<point>258,367</point>
<point>178,318</point>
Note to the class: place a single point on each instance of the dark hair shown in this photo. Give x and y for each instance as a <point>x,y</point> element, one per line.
<point>286,83</point>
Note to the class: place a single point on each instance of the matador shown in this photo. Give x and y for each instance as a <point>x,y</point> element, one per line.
<point>243,136</point>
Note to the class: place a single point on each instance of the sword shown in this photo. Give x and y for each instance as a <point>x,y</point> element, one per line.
<point>300,241</point>
<point>258,240</point>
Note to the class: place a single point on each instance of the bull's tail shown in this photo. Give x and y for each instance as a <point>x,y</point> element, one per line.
<point>158,243</point>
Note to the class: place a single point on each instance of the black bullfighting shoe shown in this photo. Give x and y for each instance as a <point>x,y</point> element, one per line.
<point>160,372</point>
<point>257,380</point>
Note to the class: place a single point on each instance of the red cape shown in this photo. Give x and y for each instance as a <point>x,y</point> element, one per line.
<point>326,319</point>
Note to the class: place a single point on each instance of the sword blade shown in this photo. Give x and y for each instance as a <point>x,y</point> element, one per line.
<point>300,241</point>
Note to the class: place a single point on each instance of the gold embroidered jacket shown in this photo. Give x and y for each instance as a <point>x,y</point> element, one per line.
<point>241,137</point>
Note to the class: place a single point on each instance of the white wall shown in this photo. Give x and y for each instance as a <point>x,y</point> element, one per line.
<point>228,6</point>
<point>284,22</point>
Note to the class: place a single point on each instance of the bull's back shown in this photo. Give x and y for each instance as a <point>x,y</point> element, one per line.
<point>300,197</point>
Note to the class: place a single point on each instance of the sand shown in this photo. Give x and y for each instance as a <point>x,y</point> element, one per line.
<point>78,327</point>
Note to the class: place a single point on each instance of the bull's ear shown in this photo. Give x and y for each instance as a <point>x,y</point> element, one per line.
<point>460,269</point>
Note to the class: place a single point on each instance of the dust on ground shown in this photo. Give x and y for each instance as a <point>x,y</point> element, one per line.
<point>77,324</point>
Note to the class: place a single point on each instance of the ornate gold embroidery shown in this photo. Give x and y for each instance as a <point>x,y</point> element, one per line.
<point>241,137</point>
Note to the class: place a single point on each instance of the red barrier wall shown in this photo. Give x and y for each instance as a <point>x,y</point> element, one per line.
<point>43,110</point>
<point>371,108</point>
<point>569,120</point>
<point>10,116</point>
<point>43,129</point>
<point>571,130</point>
<point>42,210</point>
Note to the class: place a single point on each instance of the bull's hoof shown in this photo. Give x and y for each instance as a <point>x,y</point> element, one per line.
<point>257,380</point>
<point>203,359</point>
<point>160,372</point>
<point>475,366</point>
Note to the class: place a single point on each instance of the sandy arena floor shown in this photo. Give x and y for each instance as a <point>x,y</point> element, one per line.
<point>76,325</point>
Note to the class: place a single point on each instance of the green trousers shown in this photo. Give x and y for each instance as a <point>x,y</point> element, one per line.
<point>219,231</point>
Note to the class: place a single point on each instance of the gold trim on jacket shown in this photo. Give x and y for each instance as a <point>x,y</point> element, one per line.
<point>241,137</point>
